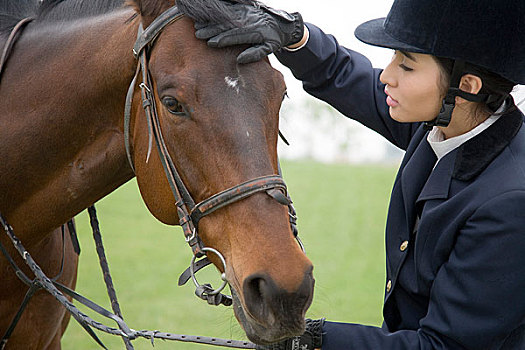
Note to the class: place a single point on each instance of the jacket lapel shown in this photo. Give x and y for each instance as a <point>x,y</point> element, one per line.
<point>438,183</point>
<point>414,176</point>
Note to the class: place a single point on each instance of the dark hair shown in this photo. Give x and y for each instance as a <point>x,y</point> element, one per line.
<point>493,84</point>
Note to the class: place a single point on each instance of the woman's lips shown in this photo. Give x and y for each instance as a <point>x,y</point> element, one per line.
<point>390,101</point>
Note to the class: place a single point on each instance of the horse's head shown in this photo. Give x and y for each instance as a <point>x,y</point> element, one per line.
<point>219,121</point>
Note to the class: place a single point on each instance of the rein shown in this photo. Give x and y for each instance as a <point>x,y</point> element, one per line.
<point>57,290</point>
<point>188,212</point>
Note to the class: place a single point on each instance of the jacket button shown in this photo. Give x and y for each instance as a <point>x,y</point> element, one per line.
<point>388,286</point>
<point>403,246</point>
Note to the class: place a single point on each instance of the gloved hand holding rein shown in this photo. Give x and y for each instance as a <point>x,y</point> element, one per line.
<point>265,29</point>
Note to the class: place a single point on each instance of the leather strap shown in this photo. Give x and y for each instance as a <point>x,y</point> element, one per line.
<point>34,285</point>
<point>29,294</point>
<point>127,116</point>
<point>74,238</point>
<point>235,194</point>
<point>107,275</point>
<point>11,41</point>
<point>199,265</point>
<point>150,34</point>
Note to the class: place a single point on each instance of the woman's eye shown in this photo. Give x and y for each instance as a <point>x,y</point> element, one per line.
<point>174,106</point>
<point>405,68</point>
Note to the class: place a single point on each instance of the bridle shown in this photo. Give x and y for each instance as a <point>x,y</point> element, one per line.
<point>189,213</point>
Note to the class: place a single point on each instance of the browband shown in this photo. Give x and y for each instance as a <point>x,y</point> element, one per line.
<point>152,31</point>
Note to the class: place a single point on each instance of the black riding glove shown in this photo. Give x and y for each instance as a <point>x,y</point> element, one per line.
<point>311,339</point>
<point>265,29</point>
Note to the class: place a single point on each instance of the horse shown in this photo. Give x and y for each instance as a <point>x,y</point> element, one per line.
<point>63,92</point>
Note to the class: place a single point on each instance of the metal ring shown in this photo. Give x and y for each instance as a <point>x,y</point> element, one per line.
<point>223,275</point>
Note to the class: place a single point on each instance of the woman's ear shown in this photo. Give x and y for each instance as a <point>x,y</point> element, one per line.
<point>469,83</point>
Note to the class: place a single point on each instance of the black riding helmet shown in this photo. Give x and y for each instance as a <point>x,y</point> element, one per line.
<point>487,33</point>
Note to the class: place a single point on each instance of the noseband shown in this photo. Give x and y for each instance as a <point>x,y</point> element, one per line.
<point>188,212</point>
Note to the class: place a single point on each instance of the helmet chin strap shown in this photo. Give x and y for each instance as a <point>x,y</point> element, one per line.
<point>449,102</point>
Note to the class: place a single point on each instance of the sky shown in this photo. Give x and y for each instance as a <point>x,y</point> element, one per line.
<point>327,137</point>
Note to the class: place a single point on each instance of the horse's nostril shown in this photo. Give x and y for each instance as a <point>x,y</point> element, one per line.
<point>257,291</point>
<point>256,286</point>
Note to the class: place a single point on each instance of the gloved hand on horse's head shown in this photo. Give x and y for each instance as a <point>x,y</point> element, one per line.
<point>266,30</point>
<point>311,339</point>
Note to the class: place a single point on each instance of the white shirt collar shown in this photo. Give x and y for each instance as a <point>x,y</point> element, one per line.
<point>442,147</point>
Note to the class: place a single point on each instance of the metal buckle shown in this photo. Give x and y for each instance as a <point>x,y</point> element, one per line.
<point>192,237</point>
<point>143,86</point>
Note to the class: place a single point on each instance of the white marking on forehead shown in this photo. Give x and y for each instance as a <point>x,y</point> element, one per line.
<point>232,83</point>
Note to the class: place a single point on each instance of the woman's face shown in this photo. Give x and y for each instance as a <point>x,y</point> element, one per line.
<point>413,87</point>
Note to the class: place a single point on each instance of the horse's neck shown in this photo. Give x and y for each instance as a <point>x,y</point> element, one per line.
<point>62,97</point>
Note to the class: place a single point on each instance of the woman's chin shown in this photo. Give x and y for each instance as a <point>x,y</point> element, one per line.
<point>401,117</point>
<point>398,117</point>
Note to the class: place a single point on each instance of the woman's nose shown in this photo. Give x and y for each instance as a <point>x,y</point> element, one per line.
<point>387,76</point>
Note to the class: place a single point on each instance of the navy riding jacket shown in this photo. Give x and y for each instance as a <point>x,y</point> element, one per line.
<point>455,234</point>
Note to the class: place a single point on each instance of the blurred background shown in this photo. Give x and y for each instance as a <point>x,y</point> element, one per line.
<point>339,175</point>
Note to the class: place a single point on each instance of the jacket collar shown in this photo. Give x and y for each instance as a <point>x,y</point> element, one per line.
<point>477,153</point>
<point>470,159</point>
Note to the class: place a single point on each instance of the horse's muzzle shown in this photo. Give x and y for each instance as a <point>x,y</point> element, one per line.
<point>270,313</point>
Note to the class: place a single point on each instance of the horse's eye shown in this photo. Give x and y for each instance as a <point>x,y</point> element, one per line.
<point>174,106</point>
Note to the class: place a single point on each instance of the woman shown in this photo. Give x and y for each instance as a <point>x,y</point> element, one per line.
<point>455,235</point>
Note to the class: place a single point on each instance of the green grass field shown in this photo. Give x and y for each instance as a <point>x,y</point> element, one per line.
<point>342,211</point>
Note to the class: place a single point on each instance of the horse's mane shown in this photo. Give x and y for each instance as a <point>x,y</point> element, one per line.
<point>214,11</point>
<point>11,11</point>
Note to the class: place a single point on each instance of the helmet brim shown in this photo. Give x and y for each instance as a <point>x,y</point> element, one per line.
<point>373,33</point>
